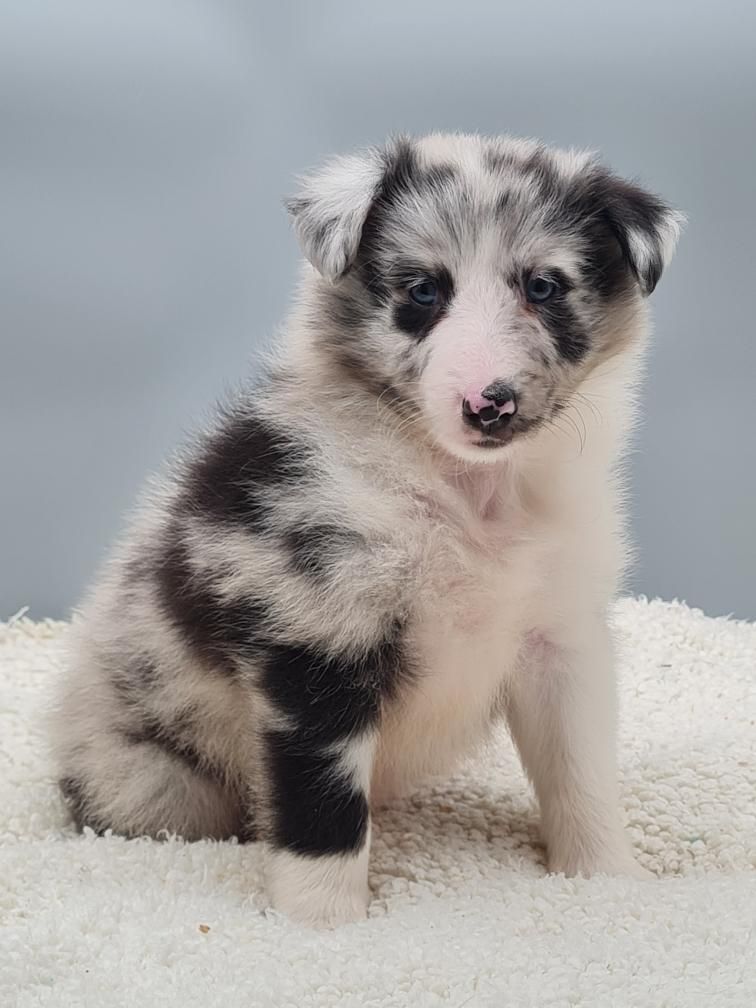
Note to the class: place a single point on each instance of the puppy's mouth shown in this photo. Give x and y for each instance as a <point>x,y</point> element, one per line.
<point>500,436</point>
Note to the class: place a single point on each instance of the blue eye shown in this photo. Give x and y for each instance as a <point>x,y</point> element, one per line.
<point>539,289</point>
<point>426,293</point>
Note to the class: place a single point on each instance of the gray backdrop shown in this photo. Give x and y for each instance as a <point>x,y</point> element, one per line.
<point>145,255</point>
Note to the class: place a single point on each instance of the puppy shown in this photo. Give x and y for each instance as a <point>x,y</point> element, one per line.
<point>407,530</point>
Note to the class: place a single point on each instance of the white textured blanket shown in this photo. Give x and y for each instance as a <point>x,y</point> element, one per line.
<point>462,913</point>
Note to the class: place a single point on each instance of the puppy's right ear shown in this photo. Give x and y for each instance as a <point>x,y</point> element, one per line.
<point>330,210</point>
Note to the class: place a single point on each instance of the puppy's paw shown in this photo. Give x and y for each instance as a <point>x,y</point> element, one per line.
<point>583,864</point>
<point>319,892</point>
<point>322,910</point>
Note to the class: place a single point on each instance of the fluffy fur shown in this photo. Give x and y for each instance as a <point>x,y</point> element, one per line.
<point>361,567</point>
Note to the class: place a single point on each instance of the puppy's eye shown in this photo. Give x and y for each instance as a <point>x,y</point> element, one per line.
<point>426,293</point>
<point>539,289</point>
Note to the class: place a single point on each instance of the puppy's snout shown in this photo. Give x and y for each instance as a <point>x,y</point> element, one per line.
<point>491,409</point>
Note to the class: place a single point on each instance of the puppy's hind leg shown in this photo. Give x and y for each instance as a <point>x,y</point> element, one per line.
<point>138,786</point>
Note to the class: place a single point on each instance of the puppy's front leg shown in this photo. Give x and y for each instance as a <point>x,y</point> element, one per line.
<point>317,823</point>
<point>562,714</point>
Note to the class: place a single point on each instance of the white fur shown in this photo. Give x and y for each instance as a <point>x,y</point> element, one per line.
<point>356,760</point>
<point>644,252</point>
<point>344,189</point>
<point>322,892</point>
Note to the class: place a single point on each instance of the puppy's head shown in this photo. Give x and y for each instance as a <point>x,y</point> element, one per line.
<point>474,282</point>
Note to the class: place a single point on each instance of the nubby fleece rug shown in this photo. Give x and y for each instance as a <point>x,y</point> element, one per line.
<point>462,911</point>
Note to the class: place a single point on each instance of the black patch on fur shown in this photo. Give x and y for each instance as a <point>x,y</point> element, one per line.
<point>314,548</point>
<point>582,211</point>
<point>331,696</point>
<point>218,631</point>
<point>604,266</point>
<point>330,699</point>
<point>246,456</point>
<point>317,811</point>
<point>570,337</point>
<point>572,340</point>
<point>603,208</point>
<point>560,278</point>
<point>629,207</point>
<point>418,320</point>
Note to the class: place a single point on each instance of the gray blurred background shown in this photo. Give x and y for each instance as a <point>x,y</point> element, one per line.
<point>145,149</point>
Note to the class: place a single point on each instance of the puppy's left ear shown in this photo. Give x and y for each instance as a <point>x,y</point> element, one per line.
<point>330,210</point>
<point>646,228</point>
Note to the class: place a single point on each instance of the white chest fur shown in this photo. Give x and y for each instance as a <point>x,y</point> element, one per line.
<point>477,598</point>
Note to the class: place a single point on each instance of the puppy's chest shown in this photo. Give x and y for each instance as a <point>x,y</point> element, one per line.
<point>476,579</point>
<point>473,602</point>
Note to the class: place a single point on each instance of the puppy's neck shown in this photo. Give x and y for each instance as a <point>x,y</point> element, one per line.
<point>486,489</point>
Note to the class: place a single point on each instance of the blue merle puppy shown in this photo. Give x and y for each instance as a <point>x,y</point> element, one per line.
<point>408,530</point>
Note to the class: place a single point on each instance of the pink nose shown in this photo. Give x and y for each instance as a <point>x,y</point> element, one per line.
<point>490,411</point>
<point>495,400</point>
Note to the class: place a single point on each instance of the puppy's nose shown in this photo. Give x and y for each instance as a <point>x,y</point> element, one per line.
<point>490,409</point>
